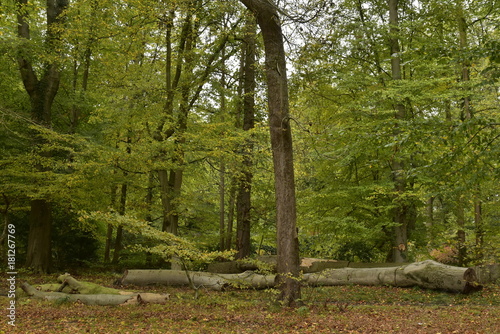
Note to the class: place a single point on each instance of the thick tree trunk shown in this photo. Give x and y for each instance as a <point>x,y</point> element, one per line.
<point>267,16</point>
<point>42,89</point>
<point>39,238</point>
<point>427,274</point>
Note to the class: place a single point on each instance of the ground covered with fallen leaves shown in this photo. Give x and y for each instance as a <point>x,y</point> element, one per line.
<point>341,309</point>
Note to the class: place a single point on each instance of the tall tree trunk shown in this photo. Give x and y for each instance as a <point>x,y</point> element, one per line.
<point>244,201</point>
<point>42,89</point>
<point>121,211</point>
<point>149,218</point>
<point>400,215</point>
<point>230,215</point>
<point>171,181</point>
<point>119,230</point>
<point>281,144</point>
<point>430,220</point>
<point>222,172</point>
<point>479,228</point>
<point>465,114</point>
<point>222,207</point>
<point>461,236</point>
<point>109,232</point>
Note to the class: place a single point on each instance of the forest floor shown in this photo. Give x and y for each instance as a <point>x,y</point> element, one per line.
<point>340,309</point>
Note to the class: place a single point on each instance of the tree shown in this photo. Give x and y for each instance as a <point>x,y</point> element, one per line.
<point>281,142</point>
<point>42,89</point>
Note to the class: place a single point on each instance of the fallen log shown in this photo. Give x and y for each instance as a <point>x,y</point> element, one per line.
<point>114,298</point>
<point>212,281</point>
<point>95,299</point>
<point>427,274</point>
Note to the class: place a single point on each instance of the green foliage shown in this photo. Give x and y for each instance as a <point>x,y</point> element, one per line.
<point>344,99</point>
<point>112,106</point>
<point>165,245</point>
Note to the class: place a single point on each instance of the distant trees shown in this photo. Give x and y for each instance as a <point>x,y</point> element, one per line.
<point>386,91</point>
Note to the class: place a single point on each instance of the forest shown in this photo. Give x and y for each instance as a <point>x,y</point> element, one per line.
<point>151,133</point>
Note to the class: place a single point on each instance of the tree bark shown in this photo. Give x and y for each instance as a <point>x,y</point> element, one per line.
<point>427,274</point>
<point>267,16</point>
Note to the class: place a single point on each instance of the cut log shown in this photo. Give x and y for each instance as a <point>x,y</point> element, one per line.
<point>427,274</point>
<point>97,299</point>
<point>212,281</point>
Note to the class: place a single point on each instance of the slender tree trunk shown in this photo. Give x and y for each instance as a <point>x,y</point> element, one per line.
<point>121,211</point>
<point>230,216</point>
<point>244,201</point>
<point>222,172</point>
<point>149,217</point>
<point>478,224</point>
<point>109,232</point>
<point>466,111</point>
<point>400,217</point>
<point>222,207</point>
<point>281,144</point>
<point>119,230</point>
<point>461,235</point>
<point>109,240</point>
<point>430,220</point>
<point>171,181</point>
<point>465,114</point>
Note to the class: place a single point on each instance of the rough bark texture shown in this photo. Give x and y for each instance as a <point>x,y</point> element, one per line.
<point>281,143</point>
<point>427,274</point>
